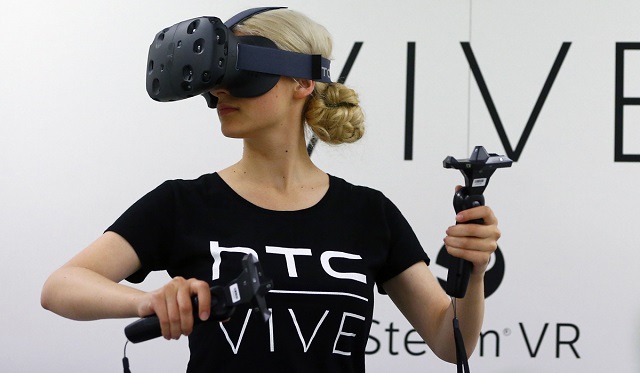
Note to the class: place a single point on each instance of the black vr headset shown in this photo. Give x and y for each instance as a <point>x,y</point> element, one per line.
<point>193,56</point>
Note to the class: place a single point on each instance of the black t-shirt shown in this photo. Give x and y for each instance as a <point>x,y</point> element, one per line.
<point>323,260</point>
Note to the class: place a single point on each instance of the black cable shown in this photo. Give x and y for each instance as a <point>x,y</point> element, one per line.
<point>125,360</point>
<point>461,352</point>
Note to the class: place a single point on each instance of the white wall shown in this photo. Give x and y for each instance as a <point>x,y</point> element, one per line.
<point>80,141</point>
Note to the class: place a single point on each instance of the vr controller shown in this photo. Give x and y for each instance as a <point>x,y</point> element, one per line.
<point>249,287</point>
<point>192,57</point>
<point>477,170</point>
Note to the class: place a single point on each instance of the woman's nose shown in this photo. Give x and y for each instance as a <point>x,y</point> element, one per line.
<point>218,91</point>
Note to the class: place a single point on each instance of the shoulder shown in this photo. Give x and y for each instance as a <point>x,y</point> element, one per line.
<point>205,180</point>
<point>364,196</point>
<point>344,186</point>
<point>203,184</point>
<point>178,191</point>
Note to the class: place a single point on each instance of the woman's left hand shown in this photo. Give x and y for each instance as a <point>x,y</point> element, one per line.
<point>474,242</point>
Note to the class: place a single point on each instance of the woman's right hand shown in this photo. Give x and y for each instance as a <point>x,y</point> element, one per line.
<point>172,305</point>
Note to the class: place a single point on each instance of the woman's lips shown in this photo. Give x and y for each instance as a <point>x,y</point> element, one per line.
<point>225,109</point>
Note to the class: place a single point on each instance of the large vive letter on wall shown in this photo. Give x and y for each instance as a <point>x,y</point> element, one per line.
<point>621,102</point>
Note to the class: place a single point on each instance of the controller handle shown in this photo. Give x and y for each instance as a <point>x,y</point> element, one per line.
<point>460,269</point>
<point>148,327</point>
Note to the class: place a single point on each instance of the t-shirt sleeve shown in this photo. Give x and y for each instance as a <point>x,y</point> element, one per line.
<point>148,226</point>
<point>404,247</point>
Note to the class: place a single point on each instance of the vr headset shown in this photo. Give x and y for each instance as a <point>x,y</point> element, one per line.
<point>193,56</point>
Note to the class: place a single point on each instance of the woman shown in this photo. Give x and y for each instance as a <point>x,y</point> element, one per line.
<point>323,241</point>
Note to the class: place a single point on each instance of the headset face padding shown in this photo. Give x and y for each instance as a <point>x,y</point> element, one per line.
<point>245,83</point>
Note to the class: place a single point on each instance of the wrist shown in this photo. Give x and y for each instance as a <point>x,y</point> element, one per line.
<point>477,274</point>
<point>140,304</point>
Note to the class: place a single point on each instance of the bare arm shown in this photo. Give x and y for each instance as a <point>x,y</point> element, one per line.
<point>428,308</point>
<point>419,297</point>
<point>87,288</point>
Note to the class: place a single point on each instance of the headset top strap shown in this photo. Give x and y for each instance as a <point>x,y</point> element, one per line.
<point>276,61</point>
<point>246,14</point>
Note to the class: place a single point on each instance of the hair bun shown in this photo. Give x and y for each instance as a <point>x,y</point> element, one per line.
<point>334,114</point>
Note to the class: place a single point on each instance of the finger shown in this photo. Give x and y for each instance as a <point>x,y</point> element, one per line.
<point>491,232</point>
<point>202,291</point>
<point>185,306</point>
<point>159,307</point>
<point>173,313</point>
<point>479,259</point>
<point>471,243</point>
<point>481,212</point>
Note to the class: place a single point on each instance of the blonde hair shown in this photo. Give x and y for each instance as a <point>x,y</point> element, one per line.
<point>333,111</point>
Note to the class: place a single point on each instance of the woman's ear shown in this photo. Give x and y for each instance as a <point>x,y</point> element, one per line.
<point>304,88</point>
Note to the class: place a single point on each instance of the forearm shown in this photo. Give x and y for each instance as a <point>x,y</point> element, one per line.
<point>470,312</point>
<point>81,294</point>
<point>475,243</point>
<point>429,309</point>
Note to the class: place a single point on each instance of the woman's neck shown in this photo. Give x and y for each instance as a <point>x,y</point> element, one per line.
<point>279,161</point>
<point>277,177</point>
<point>280,166</point>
